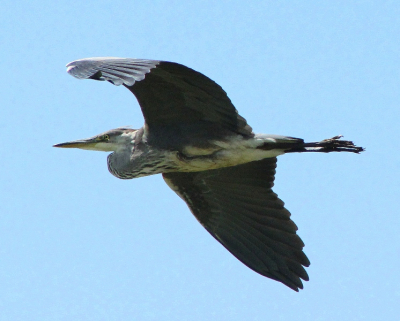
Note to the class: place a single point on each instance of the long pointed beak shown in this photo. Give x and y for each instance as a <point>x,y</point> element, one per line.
<point>81,143</point>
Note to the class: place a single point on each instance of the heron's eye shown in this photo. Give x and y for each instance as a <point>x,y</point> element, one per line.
<point>103,138</point>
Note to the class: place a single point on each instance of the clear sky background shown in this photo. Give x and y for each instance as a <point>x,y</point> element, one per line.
<point>78,244</point>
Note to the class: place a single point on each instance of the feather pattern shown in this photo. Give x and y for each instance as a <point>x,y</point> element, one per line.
<point>176,101</point>
<point>237,206</point>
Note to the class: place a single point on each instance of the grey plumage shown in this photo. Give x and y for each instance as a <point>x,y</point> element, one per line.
<point>209,156</point>
<point>237,206</point>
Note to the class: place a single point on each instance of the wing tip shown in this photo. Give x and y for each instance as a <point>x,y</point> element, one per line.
<point>117,70</point>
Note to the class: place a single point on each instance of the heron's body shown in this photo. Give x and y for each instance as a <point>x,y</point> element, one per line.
<point>139,158</point>
<point>209,156</point>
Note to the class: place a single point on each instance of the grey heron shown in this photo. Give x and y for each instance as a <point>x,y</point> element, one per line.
<point>209,156</point>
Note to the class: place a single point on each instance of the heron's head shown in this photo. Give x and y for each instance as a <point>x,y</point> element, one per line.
<point>109,141</point>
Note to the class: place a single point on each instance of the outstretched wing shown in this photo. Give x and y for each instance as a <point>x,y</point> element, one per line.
<point>175,100</point>
<point>237,206</point>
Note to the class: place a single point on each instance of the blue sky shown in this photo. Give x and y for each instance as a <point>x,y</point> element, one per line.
<point>78,244</point>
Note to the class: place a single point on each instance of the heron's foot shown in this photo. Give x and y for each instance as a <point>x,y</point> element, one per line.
<point>335,144</point>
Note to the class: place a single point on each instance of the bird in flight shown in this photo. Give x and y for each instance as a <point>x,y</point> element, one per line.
<point>209,156</point>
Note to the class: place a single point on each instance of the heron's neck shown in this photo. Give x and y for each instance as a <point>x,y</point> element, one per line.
<point>119,161</point>
<point>139,161</point>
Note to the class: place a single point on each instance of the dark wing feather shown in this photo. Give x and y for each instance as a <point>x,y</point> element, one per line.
<point>175,100</point>
<point>238,207</point>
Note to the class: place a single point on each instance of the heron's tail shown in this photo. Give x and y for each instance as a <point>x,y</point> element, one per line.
<point>334,144</point>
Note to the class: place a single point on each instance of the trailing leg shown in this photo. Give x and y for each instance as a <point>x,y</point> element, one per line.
<point>334,144</point>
